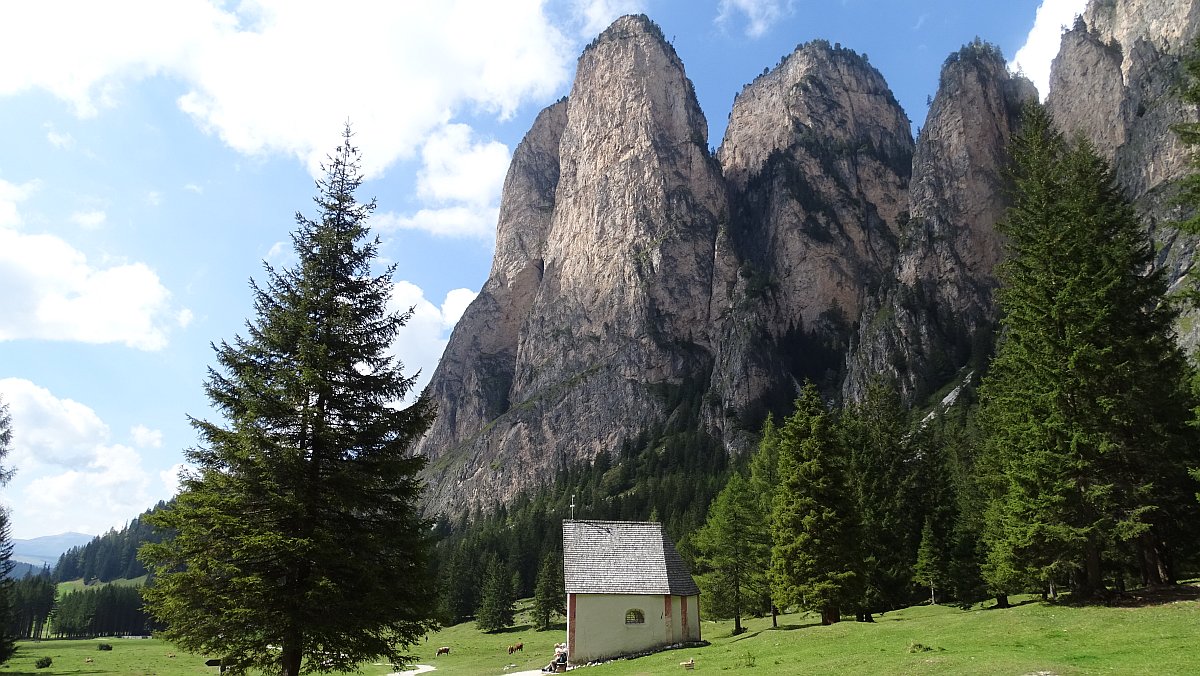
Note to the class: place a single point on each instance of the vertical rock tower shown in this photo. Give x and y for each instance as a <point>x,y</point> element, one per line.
<point>601,291</point>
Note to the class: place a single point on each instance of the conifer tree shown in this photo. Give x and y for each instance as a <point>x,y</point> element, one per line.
<point>1085,405</point>
<point>496,608</point>
<point>8,642</point>
<point>882,475</point>
<point>550,595</point>
<point>929,570</point>
<point>815,558</point>
<point>298,543</point>
<point>763,483</point>
<point>733,552</point>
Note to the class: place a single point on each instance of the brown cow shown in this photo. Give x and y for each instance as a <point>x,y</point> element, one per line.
<point>444,650</point>
<point>515,648</point>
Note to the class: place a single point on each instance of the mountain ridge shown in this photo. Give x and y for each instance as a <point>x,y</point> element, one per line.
<point>642,283</point>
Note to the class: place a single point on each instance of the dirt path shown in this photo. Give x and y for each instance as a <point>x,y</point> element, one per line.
<point>421,668</point>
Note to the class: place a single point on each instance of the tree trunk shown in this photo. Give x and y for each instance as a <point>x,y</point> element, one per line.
<point>774,616</point>
<point>932,596</point>
<point>290,657</point>
<point>1093,583</point>
<point>1155,569</point>
<point>1002,600</point>
<point>830,615</point>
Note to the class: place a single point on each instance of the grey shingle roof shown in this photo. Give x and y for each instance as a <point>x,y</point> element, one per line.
<point>623,557</point>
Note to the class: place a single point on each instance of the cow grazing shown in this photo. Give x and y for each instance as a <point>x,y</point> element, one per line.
<point>444,650</point>
<point>520,647</point>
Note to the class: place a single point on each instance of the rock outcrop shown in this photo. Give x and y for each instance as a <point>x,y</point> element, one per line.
<point>601,293</point>
<point>642,284</point>
<point>937,312</point>
<point>817,155</point>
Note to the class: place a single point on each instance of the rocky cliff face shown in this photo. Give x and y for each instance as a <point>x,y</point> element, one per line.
<point>817,155</point>
<point>936,312</point>
<point>641,284</point>
<point>601,296</point>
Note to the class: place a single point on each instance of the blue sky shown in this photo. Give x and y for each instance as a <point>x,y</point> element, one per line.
<point>153,154</point>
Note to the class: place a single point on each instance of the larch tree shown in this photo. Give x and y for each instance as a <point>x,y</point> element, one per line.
<point>1085,405</point>
<point>298,545</point>
<point>733,552</point>
<point>8,639</point>
<point>815,556</point>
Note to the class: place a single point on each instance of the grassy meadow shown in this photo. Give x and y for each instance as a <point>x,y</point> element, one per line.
<point>1161,636</point>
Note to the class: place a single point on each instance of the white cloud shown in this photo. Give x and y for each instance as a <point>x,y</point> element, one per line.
<point>144,437</point>
<point>52,292</point>
<point>48,430</point>
<point>192,187</point>
<point>274,76</point>
<point>455,305</point>
<point>10,195</point>
<point>154,198</point>
<point>420,343</point>
<point>184,318</point>
<point>456,169</point>
<point>444,222</point>
<point>69,475</point>
<point>1041,45</point>
<point>62,141</point>
<point>170,477</point>
<point>760,14</point>
<point>89,220</point>
<point>459,185</point>
<point>596,15</point>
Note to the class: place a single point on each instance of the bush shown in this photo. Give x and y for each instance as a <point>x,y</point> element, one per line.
<point>104,646</point>
<point>43,663</point>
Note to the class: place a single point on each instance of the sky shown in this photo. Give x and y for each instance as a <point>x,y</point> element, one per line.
<point>154,153</point>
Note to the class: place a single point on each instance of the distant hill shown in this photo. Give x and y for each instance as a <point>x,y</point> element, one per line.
<point>22,569</point>
<point>46,549</point>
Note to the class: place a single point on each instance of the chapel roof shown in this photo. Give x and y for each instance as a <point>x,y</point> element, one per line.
<point>623,557</point>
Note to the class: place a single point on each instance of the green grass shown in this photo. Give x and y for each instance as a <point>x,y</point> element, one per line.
<point>78,585</point>
<point>1029,638</point>
<point>129,657</point>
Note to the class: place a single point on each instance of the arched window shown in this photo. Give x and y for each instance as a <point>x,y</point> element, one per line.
<point>635,617</point>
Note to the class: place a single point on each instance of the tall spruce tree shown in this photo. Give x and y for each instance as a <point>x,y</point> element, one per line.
<point>8,639</point>
<point>1085,405</point>
<point>882,475</point>
<point>298,543</point>
<point>733,552</point>
<point>496,606</point>
<point>815,556</point>
<point>549,595</point>
<point>764,482</point>
<point>930,568</point>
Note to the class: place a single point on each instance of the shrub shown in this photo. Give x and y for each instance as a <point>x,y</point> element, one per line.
<point>43,663</point>
<point>104,646</point>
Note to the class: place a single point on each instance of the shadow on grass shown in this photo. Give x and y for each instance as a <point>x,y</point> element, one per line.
<point>793,627</point>
<point>516,628</point>
<point>1135,598</point>
<point>1011,604</point>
